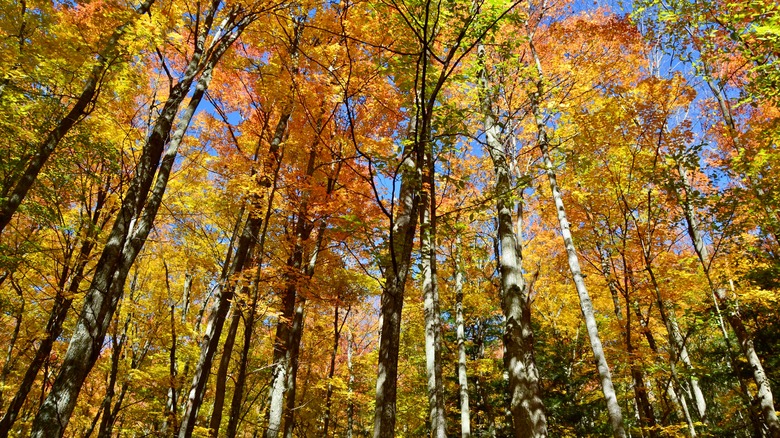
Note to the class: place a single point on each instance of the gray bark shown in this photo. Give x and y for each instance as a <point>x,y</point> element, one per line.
<point>62,303</point>
<point>463,381</point>
<point>526,406</point>
<point>396,270</point>
<point>586,305</point>
<point>296,334</point>
<point>432,318</point>
<point>764,394</point>
<point>127,237</point>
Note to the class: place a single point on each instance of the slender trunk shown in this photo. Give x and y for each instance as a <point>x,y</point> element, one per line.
<point>15,196</point>
<point>431,310</point>
<point>296,334</point>
<point>480,389</point>
<point>118,342</point>
<point>127,237</point>
<point>9,356</point>
<point>332,369</point>
<point>350,387</point>
<point>669,386</point>
<point>267,178</point>
<point>401,241</point>
<point>586,305</point>
<point>463,382</point>
<point>720,299</point>
<point>222,374</point>
<point>613,408</point>
<point>281,364</point>
<point>210,342</point>
<point>171,402</point>
<point>644,408</point>
<point>525,403</point>
<point>62,303</point>
<point>287,340</point>
<point>250,317</point>
<point>677,343</point>
<point>646,414</point>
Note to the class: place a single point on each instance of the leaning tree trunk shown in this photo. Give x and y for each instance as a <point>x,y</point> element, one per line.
<point>222,374</point>
<point>62,303</point>
<point>526,406</point>
<point>270,167</point>
<point>669,386</point>
<point>644,408</point>
<point>586,305</point>
<point>734,319</point>
<point>225,291</point>
<point>127,237</point>
<point>87,97</point>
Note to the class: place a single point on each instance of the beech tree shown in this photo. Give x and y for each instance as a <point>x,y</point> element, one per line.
<point>210,218</point>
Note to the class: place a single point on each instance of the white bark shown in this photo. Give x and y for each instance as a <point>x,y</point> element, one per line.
<point>586,305</point>
<point>463,382</point>
<point>432,323</point>
<point>525,405</point>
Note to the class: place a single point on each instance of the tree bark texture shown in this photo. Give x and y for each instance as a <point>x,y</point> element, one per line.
<point>586,305</point>
<point>432,316</point>
<point>463,381</point>
<point>526,406</point>
<point>126,239</point>
<point>396,270</point>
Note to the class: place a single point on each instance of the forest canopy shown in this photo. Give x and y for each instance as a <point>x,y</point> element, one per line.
<point>352,218</point>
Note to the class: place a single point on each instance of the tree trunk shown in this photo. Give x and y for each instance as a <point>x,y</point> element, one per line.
<point>288,334</point>
<point>62,303</point>
<point>88,95</point>
<point>403,227</point>
<point>350,387</point>
<point>431,309</point>
<point>210,342</point>
<point>268,178</point>
<point>296,334</point>
<point>644,408</point>
<point>222,374</point>
<point>526,406</point>
<point>613,408</point>
<point>720,299</point>
<point>127,237</point>
<point>463,382</point>
<point>586,305</point>
<point>9,356</point>
<point>332,368</point>
<point>669,385</point>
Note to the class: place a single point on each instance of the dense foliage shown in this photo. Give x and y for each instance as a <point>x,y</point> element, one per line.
<point>389,218</point>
